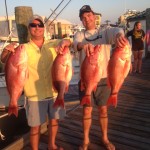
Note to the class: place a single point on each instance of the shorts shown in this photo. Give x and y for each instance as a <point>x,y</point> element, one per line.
<point>37,111</point>
<point>138,47</point>
<point>100,96</point>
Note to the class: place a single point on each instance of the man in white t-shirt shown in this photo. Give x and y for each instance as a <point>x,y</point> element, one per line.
<point>84,41</point>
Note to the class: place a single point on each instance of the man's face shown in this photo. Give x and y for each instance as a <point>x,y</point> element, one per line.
<point>88,20</point>
<point>36,29</point>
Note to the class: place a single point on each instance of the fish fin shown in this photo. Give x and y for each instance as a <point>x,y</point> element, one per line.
<point>86,100</point>
<point>53,77</point>
<point>82,86</point>
<point>108,83</point>
<point>66,89</point>
<point>27,74</point>
<point>58,103</point>
<point>54,87</point>
<point>112,100</point>
<point>126,68</point>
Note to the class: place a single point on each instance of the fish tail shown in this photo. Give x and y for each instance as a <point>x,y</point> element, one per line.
<point>86,100</point>
<point>112,100</point>
<point>13,110</point>
<point>58,103</point>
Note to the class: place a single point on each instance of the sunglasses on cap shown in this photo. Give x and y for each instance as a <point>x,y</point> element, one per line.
<point>34,25</point>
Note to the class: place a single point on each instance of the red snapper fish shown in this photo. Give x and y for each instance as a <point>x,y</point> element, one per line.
<point>16,73</point>
<point>61,75</point>
<point>118,69</point>
<point>91,74</point>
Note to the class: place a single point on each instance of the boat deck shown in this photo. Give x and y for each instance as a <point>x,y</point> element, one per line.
<point>129,122</point>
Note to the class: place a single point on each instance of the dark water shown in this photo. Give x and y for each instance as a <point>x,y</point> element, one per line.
<point>13,128</point>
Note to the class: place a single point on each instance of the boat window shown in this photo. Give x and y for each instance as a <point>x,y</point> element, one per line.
<point>14,29</point>
<point>4,32</point>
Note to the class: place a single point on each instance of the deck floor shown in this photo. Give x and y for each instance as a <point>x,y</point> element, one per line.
<point>129,123</point>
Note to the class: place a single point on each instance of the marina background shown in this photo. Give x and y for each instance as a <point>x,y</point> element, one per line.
<point>74,6</point>
<point>110,10</point>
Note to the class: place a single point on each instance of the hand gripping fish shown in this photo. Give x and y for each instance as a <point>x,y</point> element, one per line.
<point>118,69</point>
<point>91,74</point>
<point>61,75</point>
<point>16,73</point>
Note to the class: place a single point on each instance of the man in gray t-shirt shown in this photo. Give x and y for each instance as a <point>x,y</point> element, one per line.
<point>83,42</point>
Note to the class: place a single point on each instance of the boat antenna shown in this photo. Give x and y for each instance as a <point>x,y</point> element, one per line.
<point>7,16</point>
<point>60,12</point>
<point>54,11</point>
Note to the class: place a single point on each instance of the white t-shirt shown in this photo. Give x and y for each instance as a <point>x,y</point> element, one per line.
<point>106,38</point>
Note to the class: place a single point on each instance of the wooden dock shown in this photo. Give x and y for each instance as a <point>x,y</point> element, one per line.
<point>129,123</point>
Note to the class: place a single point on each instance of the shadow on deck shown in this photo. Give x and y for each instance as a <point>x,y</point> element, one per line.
<point>129,123</point>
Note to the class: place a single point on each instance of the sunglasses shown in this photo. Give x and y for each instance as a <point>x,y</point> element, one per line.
<point>34,25</point>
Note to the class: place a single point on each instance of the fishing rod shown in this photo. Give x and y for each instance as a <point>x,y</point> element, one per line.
<point>60,12</point>
<point>7,16</point>
<point>54,11</point>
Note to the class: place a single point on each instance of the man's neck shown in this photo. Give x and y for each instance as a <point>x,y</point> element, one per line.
<point>39,42</point>
<point>91,28</point>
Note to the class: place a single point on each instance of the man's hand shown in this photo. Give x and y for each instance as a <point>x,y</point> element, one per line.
<point>121,41</point>
<point>60,47</point>
<point>88,48</point>
<point>7,50</point>
<point>11,47</point>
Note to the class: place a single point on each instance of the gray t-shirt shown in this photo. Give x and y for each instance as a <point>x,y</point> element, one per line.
<point>106,38</point>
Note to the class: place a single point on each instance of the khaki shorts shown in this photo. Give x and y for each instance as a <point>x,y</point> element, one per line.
<point>38,111</point>
<point>101,95</point>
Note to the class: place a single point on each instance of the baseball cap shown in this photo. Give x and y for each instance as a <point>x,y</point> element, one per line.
<point>85,8</point>
<point>36,17</point>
